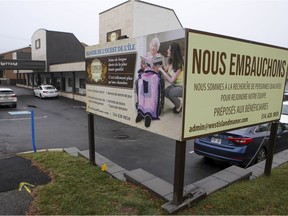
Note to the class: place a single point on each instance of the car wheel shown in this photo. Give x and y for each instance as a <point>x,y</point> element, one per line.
<point>40,96</point>
<point>261,155</point>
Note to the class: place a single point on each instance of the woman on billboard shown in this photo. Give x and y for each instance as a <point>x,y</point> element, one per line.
<point>173,73</point>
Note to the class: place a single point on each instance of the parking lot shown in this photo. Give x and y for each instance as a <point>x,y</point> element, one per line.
<point>61,122</point>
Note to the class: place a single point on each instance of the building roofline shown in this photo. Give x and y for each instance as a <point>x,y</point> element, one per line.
<point>47,30</point>
<point>144,3</point>
<point>114,7</point>
<point>163,8</point>
<point>15,50</point>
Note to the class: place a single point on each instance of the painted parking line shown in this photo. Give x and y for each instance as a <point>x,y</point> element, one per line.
<point>20,113</point>
<point>18,119</point>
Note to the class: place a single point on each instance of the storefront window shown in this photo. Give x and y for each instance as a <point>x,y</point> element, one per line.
<point>82,82</point>
<point>70,82</point>
<point>48,80</point>
<point>37,44</point>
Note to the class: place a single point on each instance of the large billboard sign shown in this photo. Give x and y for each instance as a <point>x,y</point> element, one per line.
<point>231,83</point>
<point>125,82</point>
<point>184,84</point>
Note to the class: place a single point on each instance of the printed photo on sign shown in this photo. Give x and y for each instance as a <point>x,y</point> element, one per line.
<point>159,82</point>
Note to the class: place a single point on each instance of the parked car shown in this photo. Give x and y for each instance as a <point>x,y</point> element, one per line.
<point>243,147</point>
<point>8,97</point>
<point>284,114</point>
<point>44,91</point>
<point>285,96</point>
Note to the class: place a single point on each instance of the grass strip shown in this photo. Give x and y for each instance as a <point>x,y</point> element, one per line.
<point>78,188</point>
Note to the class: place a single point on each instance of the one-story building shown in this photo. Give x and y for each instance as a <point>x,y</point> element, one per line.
<point>64,55</point>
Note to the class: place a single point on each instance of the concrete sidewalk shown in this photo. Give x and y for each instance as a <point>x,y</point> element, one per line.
<point>193,192</point>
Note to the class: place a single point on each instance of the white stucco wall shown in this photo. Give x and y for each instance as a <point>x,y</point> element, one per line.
<point>149,19</point>
<point>119,17</point>
<point>39,54</point>
<point>75,66</point>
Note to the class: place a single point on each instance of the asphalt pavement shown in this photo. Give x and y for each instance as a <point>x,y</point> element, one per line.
<point>17,178</point>
<point>64,121</point>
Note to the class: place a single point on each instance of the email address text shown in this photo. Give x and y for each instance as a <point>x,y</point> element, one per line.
<point>217,124</point>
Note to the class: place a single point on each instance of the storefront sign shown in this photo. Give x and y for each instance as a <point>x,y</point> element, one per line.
<point>21,65</point>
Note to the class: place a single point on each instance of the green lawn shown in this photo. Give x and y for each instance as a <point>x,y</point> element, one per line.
<point>80,188</point>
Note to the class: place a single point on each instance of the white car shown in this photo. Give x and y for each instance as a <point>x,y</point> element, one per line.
<point>284,114</point>
<point>44,91</point>
<point>8,97</point>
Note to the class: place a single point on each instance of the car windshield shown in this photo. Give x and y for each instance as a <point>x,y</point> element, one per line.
<point>285,109</point>
<point>6,92</point>
<point>48,87</point>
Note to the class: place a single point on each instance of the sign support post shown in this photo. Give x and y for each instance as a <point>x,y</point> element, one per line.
<point>33,131</point>
<point>91,138</point>
<point>271,147</point>
<point>179,170</point>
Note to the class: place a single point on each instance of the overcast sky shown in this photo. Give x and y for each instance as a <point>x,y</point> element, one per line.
<point>264,21</point>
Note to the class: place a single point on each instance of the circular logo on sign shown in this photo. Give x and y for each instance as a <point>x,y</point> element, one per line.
<point>96,70</point>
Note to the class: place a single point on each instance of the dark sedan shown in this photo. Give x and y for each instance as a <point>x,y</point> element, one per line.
<point>243,147</point>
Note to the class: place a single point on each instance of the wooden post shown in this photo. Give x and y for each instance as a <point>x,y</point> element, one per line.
<point>179,171</point>
<point>91,138</point>
<point>271,147</point>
